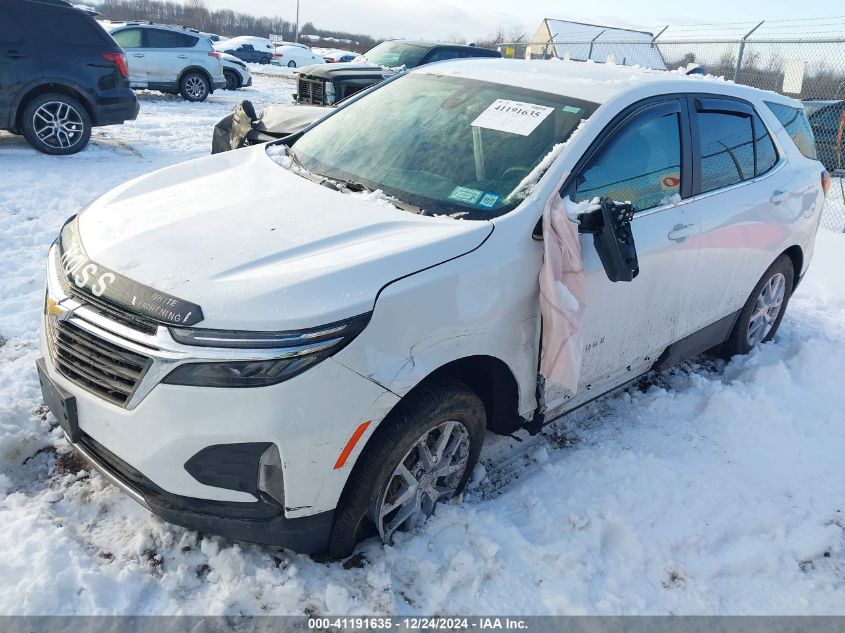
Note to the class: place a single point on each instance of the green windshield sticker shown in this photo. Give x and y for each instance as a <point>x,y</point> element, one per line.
<point>489,200</point>
<point>571,109</point>
<point>465,195</point>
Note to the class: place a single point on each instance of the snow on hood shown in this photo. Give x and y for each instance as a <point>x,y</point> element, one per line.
<point>261,248</point>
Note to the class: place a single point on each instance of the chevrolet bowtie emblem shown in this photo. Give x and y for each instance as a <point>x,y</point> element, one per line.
<point>56,310</point>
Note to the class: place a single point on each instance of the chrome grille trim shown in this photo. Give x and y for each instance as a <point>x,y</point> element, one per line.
<point>95,364</point>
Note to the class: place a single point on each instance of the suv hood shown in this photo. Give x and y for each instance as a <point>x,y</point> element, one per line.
<point>260,248</point>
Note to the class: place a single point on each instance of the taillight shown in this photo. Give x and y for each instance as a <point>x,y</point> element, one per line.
<point>214,54</point>
<point>278,54</point>
<point>120,60</point>
<point>826,179</point>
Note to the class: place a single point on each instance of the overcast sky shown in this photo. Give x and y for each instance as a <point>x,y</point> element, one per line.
<point>471,19</point>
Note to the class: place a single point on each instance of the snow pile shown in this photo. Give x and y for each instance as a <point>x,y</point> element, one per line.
<point>713,488</point>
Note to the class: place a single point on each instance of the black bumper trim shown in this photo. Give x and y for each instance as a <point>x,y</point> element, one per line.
<point>253,522</point>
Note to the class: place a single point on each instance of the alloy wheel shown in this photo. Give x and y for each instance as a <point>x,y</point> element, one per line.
<point>58,124</point>
<point>766,310</point>
<point>195,87</point>
<point>429,472</point>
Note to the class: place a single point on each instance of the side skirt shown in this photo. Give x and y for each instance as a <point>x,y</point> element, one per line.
<point>697,342</point>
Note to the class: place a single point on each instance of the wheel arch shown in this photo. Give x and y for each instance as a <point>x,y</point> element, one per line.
<point>198,69</point>
<point>59,87</point>
<point>490,379</point>
<point>796,254</point>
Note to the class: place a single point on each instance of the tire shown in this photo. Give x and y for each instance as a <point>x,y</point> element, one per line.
<point>56,124</point>
<point>742,340</point>
<point>426,414</point>
<point>194,87</point>
<point>291,64</point>
<point>233,81</point>
<point>264,61</point>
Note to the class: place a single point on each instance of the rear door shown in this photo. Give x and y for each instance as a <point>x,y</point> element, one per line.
<point>643,157</point>
<point>746,198</point>
<point>131,40</point>
<point>19,65</point>
<point>168,54</point>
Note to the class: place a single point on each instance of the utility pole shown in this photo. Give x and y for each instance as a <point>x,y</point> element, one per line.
<point>296,28</point>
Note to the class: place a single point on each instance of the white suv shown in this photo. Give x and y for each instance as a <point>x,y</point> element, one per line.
<point>315,357</point>
<point>169,58</point>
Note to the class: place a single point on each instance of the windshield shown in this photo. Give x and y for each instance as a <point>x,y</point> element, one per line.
<point>393,54</point>
<point>448,145</point>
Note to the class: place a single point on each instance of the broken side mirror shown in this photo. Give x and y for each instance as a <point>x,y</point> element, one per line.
<point>614,241</point>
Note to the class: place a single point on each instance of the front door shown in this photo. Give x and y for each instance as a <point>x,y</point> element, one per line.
<point>627,325</point>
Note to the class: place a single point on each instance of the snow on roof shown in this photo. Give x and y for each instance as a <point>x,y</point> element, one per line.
<point>585,80</point>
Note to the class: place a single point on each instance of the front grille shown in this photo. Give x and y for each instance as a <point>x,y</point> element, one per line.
<point>113,312</point>
<point>311,91</point>
<point>91,362</point>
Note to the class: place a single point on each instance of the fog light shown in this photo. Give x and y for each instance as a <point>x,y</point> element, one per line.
<point>270,479</point>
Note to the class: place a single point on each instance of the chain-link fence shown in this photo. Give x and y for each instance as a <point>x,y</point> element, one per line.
<point>803,59</point>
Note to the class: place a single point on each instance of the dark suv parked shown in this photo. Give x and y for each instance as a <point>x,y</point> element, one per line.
<point>60,75</point>
<point>325,84</point>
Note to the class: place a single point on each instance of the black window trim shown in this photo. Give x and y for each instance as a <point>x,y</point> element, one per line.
<point>657,106</point>
<point>732,106</point>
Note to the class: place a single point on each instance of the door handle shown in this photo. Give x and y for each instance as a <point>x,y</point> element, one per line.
<point>778,197</point>
<point>680,232</point>
<point>137,54</point>
<point>182,56</point>
<point>14,55</point>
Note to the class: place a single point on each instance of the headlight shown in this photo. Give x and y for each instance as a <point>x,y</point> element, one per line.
<point>297,351</point>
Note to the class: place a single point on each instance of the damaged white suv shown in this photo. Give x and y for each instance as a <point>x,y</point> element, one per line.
<point>315,357</point>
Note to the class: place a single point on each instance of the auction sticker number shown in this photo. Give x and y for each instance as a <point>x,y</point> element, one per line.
<point>516,117</point>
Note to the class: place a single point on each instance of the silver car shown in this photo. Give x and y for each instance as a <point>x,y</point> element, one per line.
<point>171,59</point>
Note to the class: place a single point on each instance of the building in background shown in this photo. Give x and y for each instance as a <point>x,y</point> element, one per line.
<point>563,39</point>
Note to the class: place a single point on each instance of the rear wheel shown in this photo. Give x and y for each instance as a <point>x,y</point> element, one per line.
<point>423,454</point>
<point>291,64</point>
<point>194,87</point>
<point>233,82</point>
<point>56,124</point>
<point>762,314</point>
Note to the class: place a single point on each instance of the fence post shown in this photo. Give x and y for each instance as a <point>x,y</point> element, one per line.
<point>590,54</point>
<point>742,50</point>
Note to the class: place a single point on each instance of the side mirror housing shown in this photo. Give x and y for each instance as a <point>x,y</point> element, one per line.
<point>612,236</point>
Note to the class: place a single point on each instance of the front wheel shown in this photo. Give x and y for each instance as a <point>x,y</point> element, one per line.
<point>423,453</point>
<point>56,124</point>
<point>762,314</point>
<point>232,80</point>
<point>194,87</point>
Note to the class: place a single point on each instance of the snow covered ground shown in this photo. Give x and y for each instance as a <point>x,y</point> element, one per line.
<point>714,488</point>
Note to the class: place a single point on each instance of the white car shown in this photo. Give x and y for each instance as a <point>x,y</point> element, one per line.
<point>314,356</point>
<point>235,71</point>
<point>170,59</point>
<point>295,56</point>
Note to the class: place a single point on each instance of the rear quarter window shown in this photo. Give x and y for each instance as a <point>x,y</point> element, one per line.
<point>69,26</point>
<point>794,121</point>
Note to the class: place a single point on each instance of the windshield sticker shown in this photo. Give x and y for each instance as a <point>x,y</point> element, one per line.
<point>571,109</point>
<point>489,200</point>
<point>515,117</point>
<point>465,195</point>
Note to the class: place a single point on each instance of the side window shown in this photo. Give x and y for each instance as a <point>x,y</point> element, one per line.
<point>442,54</point>
<point>69,26</point>
<point>794,120</point>
<point>157,38</point>
<point>640,164</point>
<point>128,38</point>
<point>727,149</point>
<point>767,155</point>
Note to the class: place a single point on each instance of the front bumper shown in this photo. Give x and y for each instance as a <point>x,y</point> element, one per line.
<point>256,522</point>
<point>144,443</point>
